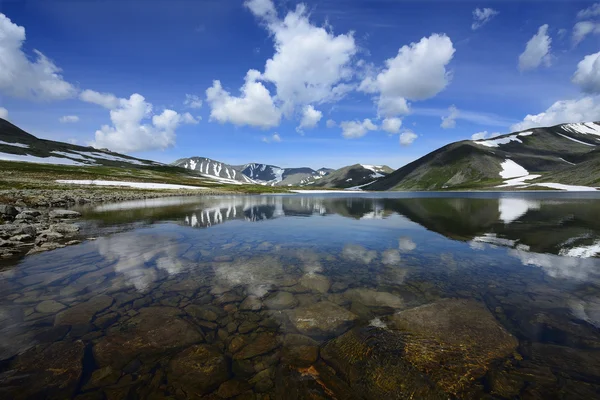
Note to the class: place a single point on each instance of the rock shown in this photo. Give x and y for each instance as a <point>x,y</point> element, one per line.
<point>49,306</point>
<point>65,229</point>
<point>316,282</point>
<point>373,298</point>
<point>64,214</point>
<point>322,319</point>
<point>251,303</point>
<point>153,332</point>
<point>33,213</point>
<point>21,238</point>
<point>199,369</point>
<point>232,388</point>
<point>23,217</point>
<point>247,326</point>
<point>46,372</point>
<point>82,313</point>
<point>48,236</point>
<point>263,343</point>
<point>262,381</point>
<point>7,210</point>
<point>280,301</point>
<point>299,350</point>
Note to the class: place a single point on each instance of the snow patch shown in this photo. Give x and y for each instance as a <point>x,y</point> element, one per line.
<point>327,191</point>
<point>575,140</point>
<point>39,160</point>
<point>518,181</point>
<point>498,142</point>
<point>511,169</point>
<point>568,188</point>
<point>525,134</point>
<point>584,128</point>
<point>582,251</point>
<point>562,159</point>
<point>137,185</point>
<point>24,146</point>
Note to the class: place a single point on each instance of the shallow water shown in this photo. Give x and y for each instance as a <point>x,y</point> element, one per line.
<point>355,296</point>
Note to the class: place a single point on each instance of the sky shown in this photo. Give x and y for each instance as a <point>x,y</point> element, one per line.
<point>324,83</point>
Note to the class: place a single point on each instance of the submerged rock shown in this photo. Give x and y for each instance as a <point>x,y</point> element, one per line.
<point>322,319</point>
<point>199,370</point>
<point>60,214</point>
<point>280,301</point>
<point>373,298</point>
<point>316,282</point>
<point>261,344</point>
<point>82,313</point>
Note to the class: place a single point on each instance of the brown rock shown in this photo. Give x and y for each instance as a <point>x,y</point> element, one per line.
<point>199,369</point>
<point>82,313</point>
<point>263,343</point>
<point>322,319</point>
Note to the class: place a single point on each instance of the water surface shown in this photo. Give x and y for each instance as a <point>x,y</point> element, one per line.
<point>354,296</point>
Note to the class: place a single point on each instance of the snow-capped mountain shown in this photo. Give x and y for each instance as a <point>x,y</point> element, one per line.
<point>352,176</point>
<point>262,172</point>
<point>213,169</point>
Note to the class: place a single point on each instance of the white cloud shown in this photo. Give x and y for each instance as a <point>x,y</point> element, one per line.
<point>587,76</point>
<point>3,113</point>
<point>106,100</point>
<point>331,123</point>
<point>20,77</point>
<point>310,118</point>
<point>310,64</point>
<point>584,28</point>
<point>391,125</point>
<point>407,138</point>
<point>566,111</point>
<point>482,16</point>
<point>69,119</point>
<point>592,11</point>
<point>274,138</point>
<point>480,135</point>
<point>192,101</point>
<point>129,133</point>
<point>418,72</point>
<point>537,50</point>
<point>188,118</point>
<point>450,120</point>
<point>254,107</point>
<point>356,129</point>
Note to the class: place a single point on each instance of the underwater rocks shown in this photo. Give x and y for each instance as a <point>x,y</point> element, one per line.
<point>322,319</point>
<point>82,313</point>
<point>280,301</point>
<point>199,370</point>
<point>431,351</point>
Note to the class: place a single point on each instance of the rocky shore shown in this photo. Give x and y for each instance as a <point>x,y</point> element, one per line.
<point>33,221</point>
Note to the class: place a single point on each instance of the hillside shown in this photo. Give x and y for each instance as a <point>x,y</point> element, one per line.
<point>353,176</point>
<point>565,154</point>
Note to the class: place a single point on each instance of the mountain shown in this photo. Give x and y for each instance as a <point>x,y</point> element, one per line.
<point>18,145</point>
<point>353,176</point>
<point>566,154</point>
<point>213,169</point>
<point>277,176</point>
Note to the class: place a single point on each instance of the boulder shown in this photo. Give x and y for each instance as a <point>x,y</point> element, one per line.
<point>316,282</point>
<point>374,299</point>
<point>65,229</point>
<point>251,303</point>
<point>280,301</point>
<point>199,369</point>
<point>64,214</point>
<point>7,210</point>
<point>322,319</point>
<point>261,344</point>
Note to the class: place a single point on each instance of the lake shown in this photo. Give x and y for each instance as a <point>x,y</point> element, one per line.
<point>341,296</point>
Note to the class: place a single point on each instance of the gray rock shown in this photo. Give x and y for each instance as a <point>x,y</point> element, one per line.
<point>7,210</point>
<point>251,303</point>
<point>64,214</point>
<point>322,319</point>
<point>316,282</point>
<point>261,344</point>
<point>21,238</point>
<point>280,301</point>
<point>65,229</point>
<point>49,306</point>
<point>199,369</point>
<point>82,313</point>
<point>373,298</point>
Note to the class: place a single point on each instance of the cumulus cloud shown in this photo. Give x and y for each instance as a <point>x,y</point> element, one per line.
<point>188,118</point>
<point>21,77</point>
<point>129,132</point>
<point>587,76</point>
<point>480,135</point>
<point>262,8</point>
<point>356,129</point>
<point>583,29</point>
<point>391,125</point>
<point>106,100</point>
<point>274,138</point>
<point>331,123</point>
<point>537,50</point>
<point>69,119</point>
<point>450,120</point>
<point>418,72</point>
<point>3,113</point>
<point>254,107</point>
<point>564,111</point>
<point>407,138</point>
<point>592,11</point>
<point>310,118</point>
<point>482,16</point>
<point>192,101</point>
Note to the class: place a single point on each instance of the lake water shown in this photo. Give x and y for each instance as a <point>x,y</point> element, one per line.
<point>423,296</point>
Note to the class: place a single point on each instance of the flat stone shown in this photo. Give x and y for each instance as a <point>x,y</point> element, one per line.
<point>316,282</point>
<point>280,301</point>
<point>251,303</point>
<point>65,229</point>
<point>299,350</point>
<point>322,319</point>
<point>64,214</point>
<point>49,306</point>
<point>206,313</point>
<point>247,326</point>
<point>232,388</point>
<point>199,369</point>
<point>373,298</point>
<point>263,343</point>
<point>82,313</point>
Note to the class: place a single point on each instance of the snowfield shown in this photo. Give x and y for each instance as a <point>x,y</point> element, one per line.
<point>588,128</point>
<point>137,185</point>
<point>39,160</point>
<point>24,146</point>
<point>326,191</point>
<point>498,142</point>
<point>568,188</point>
<point>518,181</point>
<point>511,169</point>
<point>576,141</point>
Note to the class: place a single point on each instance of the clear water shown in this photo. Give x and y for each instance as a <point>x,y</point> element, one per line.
<point>372,296</point>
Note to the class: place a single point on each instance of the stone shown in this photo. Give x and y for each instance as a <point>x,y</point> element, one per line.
<point>48,236</point>
<point>49,306</point>
<point>262,381</point>
<point>373,298</point>
<point>33,213</point>
<point>21,238</point>
<point>237,343</point>
<point>322,319</point>
<point>7,210</point>
<point>232,388</point>
<point>207,313</point>
<point>82,313</point>
<point>299,350</point>
<point>280,301</point>
<point>251,303</point>
<point>247,326</point>
<point>315,282</point>
<point>200,369</point>
<point>64,214</point>
<point>65,229</point>
<point>261,344</point>
<point>47,371</point>
<point>154,331</point>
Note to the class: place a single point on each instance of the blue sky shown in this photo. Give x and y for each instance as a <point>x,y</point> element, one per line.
<point>327,62</point>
